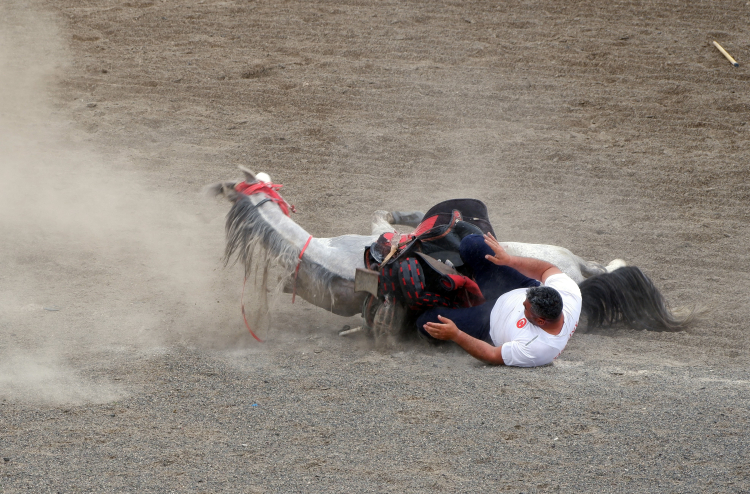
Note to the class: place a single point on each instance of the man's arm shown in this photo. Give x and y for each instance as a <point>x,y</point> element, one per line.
<point>527,266</point>
<point>476,348</point>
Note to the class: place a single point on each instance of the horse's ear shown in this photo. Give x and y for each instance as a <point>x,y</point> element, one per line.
<point>221,188</point>
<point>249,176</point>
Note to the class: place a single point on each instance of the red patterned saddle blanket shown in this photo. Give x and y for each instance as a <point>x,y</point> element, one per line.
<point>424,269</point>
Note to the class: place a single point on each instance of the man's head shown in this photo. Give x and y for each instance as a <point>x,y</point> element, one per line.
<point>543,305</point>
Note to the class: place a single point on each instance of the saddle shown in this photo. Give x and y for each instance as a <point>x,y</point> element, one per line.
<point>424,269</point>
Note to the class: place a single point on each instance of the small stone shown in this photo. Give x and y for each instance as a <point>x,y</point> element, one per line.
<point>91,105</point>
<point>6,460</point>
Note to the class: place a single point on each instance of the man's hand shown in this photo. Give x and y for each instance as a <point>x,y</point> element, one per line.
<point>445,331</point>
<point>501,258</point>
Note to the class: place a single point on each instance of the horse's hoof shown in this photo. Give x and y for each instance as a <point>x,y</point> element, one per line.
<point>617,263</point>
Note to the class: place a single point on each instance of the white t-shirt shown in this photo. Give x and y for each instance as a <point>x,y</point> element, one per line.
<point>527,345</point>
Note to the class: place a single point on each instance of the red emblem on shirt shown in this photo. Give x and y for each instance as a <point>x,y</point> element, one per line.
<point>521,323</point>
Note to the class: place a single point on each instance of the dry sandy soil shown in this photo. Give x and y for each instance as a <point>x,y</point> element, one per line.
<point>612,128</point>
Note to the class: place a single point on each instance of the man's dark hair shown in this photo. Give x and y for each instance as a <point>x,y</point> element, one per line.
<point>545,302</point>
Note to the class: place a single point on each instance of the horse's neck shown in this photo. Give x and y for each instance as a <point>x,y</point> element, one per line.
<point>281,223</point>
<point>340,256</point>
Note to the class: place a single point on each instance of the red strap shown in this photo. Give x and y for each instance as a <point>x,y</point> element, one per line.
<point>242,301</point>
<point>299,262</point>
<point>474,295</point>
<point>271,190</point>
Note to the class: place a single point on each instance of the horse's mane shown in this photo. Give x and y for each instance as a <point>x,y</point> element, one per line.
<point>259,245</point>
<point>248,233</point>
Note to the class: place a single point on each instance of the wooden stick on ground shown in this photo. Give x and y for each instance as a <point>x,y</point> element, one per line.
<point>724,52</point>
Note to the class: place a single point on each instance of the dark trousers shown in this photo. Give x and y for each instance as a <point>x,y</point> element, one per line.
<point>492,279</point>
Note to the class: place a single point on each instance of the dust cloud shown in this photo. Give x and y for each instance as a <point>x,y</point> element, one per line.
<point>94,260</point>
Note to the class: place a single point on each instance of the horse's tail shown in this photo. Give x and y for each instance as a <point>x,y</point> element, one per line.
<point>626,295</point>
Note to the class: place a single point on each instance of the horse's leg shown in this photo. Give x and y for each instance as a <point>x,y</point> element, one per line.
<point>569,263</point>
<point>591,268</point>
<point>407,218</point>
<point>382,221</point>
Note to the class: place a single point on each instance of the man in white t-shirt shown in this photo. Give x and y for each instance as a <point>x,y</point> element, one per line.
<point>521,323</point>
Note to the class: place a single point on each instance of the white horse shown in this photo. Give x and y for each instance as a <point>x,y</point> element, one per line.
<point>322,270</point>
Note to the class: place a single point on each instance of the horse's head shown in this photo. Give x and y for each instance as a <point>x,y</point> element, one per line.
<point>228,189</point>
<point>261,234</point>
<point>251,177</point>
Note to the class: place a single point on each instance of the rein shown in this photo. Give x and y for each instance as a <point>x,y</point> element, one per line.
<point>294,287</point>
<point>244,317</point>
<point>296,270</point>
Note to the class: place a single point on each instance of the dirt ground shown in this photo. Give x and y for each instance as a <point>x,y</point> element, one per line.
<point>612,128</point>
